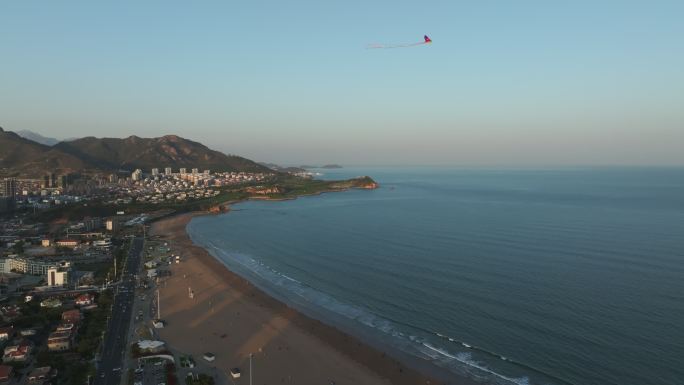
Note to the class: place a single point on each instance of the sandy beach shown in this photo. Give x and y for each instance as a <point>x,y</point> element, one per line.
<point>231,318</point>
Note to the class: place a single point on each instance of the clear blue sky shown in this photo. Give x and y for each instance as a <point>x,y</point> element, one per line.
<point>505,82</point>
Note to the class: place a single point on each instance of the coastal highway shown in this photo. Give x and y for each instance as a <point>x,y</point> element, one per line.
<point>109,370</point>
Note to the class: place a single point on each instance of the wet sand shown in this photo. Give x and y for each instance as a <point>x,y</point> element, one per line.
<point>231,318</point>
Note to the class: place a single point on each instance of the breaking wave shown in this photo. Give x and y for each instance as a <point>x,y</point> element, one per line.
<point>458,356</point>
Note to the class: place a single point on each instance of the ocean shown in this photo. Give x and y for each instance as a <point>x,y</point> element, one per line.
<point>555,276</point>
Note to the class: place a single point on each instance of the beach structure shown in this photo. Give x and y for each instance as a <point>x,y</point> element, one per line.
<point>149,346</point>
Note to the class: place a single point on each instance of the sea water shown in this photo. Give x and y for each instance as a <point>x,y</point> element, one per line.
<point>569,276</point>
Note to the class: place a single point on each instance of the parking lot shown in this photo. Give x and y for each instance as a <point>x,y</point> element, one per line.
<point>150,372</point>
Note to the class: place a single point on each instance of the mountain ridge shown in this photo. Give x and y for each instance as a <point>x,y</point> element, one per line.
<point>25,157</point>
<point>38,138</point>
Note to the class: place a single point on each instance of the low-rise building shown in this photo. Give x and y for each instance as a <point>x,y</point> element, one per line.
<point>86,299</point>
<point>71,316</point>
<point>33,266</point>
<point>17,353</point>
<point>6,373</point>
<point>51,303</point>
<point>103,243</point>
<point>40,375</point>
<point>28,332</point>
<point>67,243</point>
<point>62,338</point>
<point>6,333</point>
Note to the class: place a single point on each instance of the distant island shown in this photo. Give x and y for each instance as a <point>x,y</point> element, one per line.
<point>277,167</point>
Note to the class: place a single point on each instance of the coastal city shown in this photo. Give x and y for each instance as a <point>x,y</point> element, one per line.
<point>84,272</point>
<point>152,187</point>
<point>68,286</point>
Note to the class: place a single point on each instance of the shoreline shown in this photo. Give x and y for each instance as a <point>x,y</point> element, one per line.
<point>281,337</point>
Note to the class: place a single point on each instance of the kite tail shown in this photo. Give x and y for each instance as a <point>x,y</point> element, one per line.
<point>383,46</point>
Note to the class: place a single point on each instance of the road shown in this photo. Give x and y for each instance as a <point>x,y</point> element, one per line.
<point>110,370</point>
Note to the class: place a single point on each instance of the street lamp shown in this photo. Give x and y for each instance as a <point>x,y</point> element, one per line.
<point>250,368</point>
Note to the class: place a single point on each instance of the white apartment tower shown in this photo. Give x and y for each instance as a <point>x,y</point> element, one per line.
<point>57,276</point>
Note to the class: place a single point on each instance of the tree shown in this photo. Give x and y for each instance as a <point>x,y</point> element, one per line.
<point>18,247</point>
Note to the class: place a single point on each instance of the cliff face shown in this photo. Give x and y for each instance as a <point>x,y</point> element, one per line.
<point>366,182</point>
<point>219,209</point>
<point>370,185</point>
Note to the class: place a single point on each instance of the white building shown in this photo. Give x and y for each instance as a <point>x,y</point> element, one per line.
<point>136,175</point>
<point>32,266</point>
<point>112,225</point>
<point>104,243</point>
<point>155,171</point>
<point>195,171</point>
<point>57,276</point>
<point>168,171</point>
<point>183,171</point>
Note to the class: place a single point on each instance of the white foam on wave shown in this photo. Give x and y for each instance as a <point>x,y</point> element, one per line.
<point>466,359</point>
<point>451,339</point>
<point>311,296</point>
